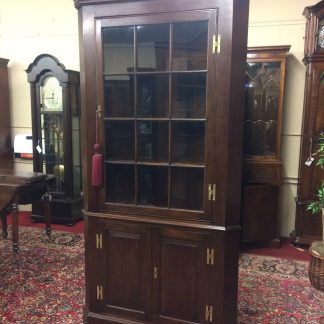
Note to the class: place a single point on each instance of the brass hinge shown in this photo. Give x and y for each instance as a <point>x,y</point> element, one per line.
<point>212,192</point>
<point>155,272</point>
<point>217,39</point>
<point>99,292</point>
<point>210,256</point>
<point>99,241</point>
<point>209,313</point>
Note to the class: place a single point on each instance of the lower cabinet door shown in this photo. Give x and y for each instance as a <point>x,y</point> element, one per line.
<point>118,267</point>
<point>182,275</point>
<point>148,273</point>
<point>260,212</point>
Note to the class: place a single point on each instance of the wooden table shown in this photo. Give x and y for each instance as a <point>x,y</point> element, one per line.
<point>20,188</point>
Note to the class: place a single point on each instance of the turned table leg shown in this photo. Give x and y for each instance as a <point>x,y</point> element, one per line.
<point>14,217</point>
<point>4,223</point>
<point>47,211</point>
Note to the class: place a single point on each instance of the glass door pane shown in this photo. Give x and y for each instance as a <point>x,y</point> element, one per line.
<point>119,140</point>
<point>153,141</point>
<point>52,147</point>
<point>120,181</point>
<point>153,186</point>
<point>119,96</point>
<point>187,188</point>
<point>118,46</point>
<point>153,47</point>
<point>188,141</point>
<point>153,95</point>
<point>189,48</point>
<point>189,95</point>
<point>262,104</point>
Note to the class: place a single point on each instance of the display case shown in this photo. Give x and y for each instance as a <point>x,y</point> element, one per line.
<point>308,226</point>
<point>6,151</point>
<point>55,107</point>
<point>162,102</point>
<point>265,76</point>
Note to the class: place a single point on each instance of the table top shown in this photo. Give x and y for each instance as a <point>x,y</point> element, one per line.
<point>25,186</point>
<point>8,176</point>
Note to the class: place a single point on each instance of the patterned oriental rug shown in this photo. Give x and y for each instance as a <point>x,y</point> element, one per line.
<point>45,284</point>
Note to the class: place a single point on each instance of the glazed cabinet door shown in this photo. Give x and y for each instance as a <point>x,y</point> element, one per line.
<point>119,269</point>
<point>181,277</point>
<point>156,88</point>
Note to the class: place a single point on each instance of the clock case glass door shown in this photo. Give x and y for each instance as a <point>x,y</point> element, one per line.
<point>56,136</point>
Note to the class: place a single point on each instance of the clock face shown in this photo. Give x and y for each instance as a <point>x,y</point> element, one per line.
<point>320,36</point>
<point>51,94</point>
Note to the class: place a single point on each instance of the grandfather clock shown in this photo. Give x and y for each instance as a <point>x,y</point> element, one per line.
<point>308,227</point>
<point>56,136</point>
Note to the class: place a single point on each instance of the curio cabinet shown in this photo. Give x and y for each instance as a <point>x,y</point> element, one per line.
<point>264,94</point>
<point>56,136</point>
<point>162,97</point>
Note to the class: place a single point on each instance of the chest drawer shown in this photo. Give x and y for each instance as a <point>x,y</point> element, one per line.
<point>266,173</point>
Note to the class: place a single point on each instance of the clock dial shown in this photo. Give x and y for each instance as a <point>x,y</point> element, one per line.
<point>51,94</point>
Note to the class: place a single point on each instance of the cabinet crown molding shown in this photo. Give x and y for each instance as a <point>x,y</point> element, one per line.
<point>80,3</point>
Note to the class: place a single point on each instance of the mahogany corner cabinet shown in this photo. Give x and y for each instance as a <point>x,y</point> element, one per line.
<point>162,101</point>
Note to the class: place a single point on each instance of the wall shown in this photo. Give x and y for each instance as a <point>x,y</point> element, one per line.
<point>280,22</point>
<point>29,28</point>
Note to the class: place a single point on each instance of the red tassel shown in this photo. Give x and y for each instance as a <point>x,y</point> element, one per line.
<point>97,166</point>
<point>97,160</point>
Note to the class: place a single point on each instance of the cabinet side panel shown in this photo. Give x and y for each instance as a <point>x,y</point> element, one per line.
<point>224,276</point>
<point>236,110</point>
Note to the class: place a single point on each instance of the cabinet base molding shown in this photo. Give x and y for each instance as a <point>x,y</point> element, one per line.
<point>273,243</point>
<point>94,318</point>
<point>303,239</point>
<point>307,225</point>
